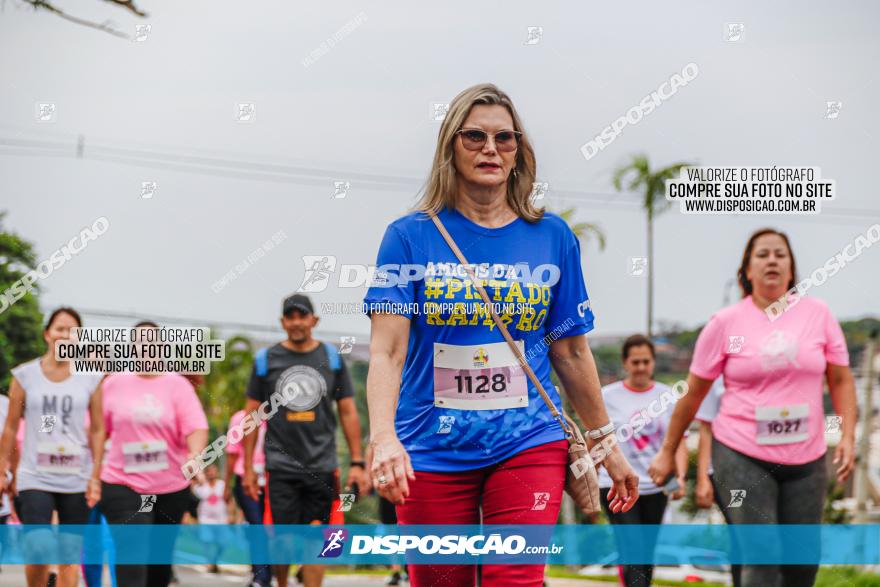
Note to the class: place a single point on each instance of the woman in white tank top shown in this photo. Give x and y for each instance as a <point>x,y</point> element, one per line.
<point>61,454</point>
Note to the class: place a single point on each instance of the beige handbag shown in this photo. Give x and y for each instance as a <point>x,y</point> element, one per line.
<point>581,480</point>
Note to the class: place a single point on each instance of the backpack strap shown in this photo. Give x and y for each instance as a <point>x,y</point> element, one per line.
<point>261,362</point>
<point>261,359</point>
<point>333,357</point>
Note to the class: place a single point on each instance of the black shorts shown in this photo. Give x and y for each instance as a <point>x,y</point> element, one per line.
<point>301,498</point>
<point>35,506</point>
<point>387,511</point>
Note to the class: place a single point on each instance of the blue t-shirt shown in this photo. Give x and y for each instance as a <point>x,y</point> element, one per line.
<point>532,271</point>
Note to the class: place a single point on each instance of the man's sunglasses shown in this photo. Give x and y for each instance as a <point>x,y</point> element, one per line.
<point>473,139</point>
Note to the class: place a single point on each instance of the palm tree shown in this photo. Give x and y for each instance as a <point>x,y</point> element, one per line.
<point>583,230</point>
<point>639,174</point>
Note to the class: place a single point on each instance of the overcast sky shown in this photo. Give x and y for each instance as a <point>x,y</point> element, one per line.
<point>360,112</point>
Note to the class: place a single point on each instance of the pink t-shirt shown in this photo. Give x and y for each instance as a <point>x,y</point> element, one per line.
<point>237,448</point>
<point>773,374</point>
<point>148,420</point>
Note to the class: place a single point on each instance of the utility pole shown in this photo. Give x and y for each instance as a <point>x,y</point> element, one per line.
<point>729,284</point>
<point>862,479</point>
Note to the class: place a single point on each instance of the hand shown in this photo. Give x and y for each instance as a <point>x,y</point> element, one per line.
<point>705,493</point>
<point>358,476</point>
<point>249,484</point>
<point>93,492</point>
<point>227,492</point>
<point>845,457</point>
<point>682,488</point>
<point>5,483</point>
<point>625,492</point>
<point>662,467</point>
<point>388,461</point>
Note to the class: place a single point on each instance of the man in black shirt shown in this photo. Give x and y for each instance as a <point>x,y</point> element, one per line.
<point>300,440</point>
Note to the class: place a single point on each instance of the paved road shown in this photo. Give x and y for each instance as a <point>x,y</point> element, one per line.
<point>13,576</point>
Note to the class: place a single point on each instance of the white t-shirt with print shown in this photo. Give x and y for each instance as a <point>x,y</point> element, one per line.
<point>55,454</point>
<point>212,507</point>
<point>641,419</point>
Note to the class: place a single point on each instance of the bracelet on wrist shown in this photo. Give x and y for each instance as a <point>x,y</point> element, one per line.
<point>605,430</point>
<point>360,464</point>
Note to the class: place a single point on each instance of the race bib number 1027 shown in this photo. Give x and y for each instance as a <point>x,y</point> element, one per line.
<point>782,424</point>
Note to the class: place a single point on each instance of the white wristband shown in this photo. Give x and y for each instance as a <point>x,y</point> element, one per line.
<point>603,431</point>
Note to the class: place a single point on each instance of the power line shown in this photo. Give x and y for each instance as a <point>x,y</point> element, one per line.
<point>312,175</point>
<point>77,147</point>
<point>220,324</point>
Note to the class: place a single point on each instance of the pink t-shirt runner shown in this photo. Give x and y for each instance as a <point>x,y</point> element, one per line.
<point>148,420</point>
<point>237,448</point>
<point>772,407</point>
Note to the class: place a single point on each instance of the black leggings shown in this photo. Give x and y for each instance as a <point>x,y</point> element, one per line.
<point>647,510</point>
<point>773,494</point>
<point>120,505</point>
<point>721,502</point>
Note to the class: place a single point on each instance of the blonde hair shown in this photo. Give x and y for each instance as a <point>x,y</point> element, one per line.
<point>439,190</point>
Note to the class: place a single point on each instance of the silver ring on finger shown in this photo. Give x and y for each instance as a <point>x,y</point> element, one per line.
<point>382,480</point>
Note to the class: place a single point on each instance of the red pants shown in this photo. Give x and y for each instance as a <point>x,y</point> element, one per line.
<point>507,491</point>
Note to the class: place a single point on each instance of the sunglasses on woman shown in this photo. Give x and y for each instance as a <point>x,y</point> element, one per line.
<point>473,139</point>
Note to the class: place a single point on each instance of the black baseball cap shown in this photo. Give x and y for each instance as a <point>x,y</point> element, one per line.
<point>297,302</point>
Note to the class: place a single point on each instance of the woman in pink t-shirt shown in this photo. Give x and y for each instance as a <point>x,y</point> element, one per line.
<point>768,448</point>
<point>156,424</point>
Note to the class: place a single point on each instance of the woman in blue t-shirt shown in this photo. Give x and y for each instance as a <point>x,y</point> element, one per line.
<point>456,425</point>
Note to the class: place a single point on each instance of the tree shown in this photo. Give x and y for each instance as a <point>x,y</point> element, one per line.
<point>21,336</point>
<point>583,230</point>
<point>223,391</point>
<point>106,26</point>
<point>640,176</point>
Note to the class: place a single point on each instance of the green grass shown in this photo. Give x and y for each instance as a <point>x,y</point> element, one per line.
<point>846,577</point>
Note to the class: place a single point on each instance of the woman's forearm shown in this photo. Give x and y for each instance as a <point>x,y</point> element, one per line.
<point>97,437</point>
<point>383,391</point>
<point>10,426</point>
<point>842,388</point>
<point>704,452</point>
<point>97,433</point>
<point>681,460</point>
<point>7,440</point>
<point>576,368</point>
<point>196,441</point>
<point>685,410</point>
